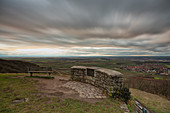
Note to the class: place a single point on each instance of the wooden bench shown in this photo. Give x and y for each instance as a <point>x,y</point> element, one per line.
<point>32,70</point>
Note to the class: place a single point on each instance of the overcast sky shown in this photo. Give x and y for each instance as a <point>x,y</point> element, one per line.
<point>84,27</point>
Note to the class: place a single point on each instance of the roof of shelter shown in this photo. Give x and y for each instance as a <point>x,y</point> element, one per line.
<point>107,71</point>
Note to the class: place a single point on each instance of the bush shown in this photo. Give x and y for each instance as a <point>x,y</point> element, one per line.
<point>122,93</point>
<point>125,94</point>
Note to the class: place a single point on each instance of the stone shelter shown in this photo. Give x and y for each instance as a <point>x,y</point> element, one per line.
<point>107,79</point>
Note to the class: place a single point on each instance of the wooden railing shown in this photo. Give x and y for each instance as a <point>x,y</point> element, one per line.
<point>141,108</point>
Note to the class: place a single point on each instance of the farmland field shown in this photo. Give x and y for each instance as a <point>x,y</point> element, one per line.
<point>62,65</point>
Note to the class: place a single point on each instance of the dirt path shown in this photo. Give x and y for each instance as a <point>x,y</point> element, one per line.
<point>55,88</point>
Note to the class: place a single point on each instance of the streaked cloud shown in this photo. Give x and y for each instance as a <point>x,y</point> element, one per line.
<point>70,27</point>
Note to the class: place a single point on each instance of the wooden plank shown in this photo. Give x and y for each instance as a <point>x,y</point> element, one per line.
<point>32,70</point>
<point>141,108</point>
<point>40,69</point>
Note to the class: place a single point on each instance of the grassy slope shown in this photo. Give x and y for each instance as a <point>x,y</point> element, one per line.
<point>12,88</point>
<point>168,66</point>
<point>14,66</point>
<point>153,102</point>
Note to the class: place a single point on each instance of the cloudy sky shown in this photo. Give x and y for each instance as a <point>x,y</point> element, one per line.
<point>84,27</point>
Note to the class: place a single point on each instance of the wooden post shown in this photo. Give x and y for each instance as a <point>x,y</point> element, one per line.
<point>47,70</point>
<point>31,74</point>
<point>28,69</point>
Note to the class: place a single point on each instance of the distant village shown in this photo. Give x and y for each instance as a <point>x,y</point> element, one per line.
<point>148,68</point>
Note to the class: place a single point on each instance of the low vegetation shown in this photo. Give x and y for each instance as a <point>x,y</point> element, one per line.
<point>45,77</point>
<point>154,86</point>
<point>123,94</point>
<point>12,88</point>
<point>154,102</point>
<point>14,66</point>
<point>168,66</point>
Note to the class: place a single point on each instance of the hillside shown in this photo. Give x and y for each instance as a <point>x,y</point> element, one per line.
<point>14,66</point>
<point>154,102</point>
<point>20,94</point>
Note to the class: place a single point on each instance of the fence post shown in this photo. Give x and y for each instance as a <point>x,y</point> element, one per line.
<point>28,69</point>
<point>47,70</point>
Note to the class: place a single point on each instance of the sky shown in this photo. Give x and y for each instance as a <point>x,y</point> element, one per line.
<point>84,28</point>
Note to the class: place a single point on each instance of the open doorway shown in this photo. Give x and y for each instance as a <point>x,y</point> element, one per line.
<point>90,72</point>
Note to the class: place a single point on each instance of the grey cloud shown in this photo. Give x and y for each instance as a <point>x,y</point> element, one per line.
<point>131,16</point>
<point>119,52</point>
<point>83,23</point>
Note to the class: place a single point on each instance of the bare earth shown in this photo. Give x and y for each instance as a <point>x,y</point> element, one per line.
<point>62,88</point>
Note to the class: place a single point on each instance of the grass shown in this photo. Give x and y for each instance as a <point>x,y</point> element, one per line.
<point>77,106</point>
<point>128,74</point>
<point>155,103</point>
<point>168,66</point>
<point>12,88</point>
<point>45,77</point>
<point>156,78</point>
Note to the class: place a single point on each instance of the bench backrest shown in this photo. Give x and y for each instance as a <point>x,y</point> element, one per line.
<point>41,69</point>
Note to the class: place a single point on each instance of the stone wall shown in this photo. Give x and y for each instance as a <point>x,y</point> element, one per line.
<point>107,79</point>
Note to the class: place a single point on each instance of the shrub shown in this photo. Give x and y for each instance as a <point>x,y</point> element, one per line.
<point>122,93</point>
<point>125,94</point>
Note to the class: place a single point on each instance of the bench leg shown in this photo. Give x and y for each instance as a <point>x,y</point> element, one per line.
<point>49,74</point>
<point>31,74</point>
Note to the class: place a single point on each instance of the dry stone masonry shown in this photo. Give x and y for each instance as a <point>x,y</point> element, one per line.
<point>85,90</point>
<point>106,79</point>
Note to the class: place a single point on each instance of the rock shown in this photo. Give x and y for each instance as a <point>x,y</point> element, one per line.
<point>20,100</point>
<point>26,99</point>
<point>125,108</point>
